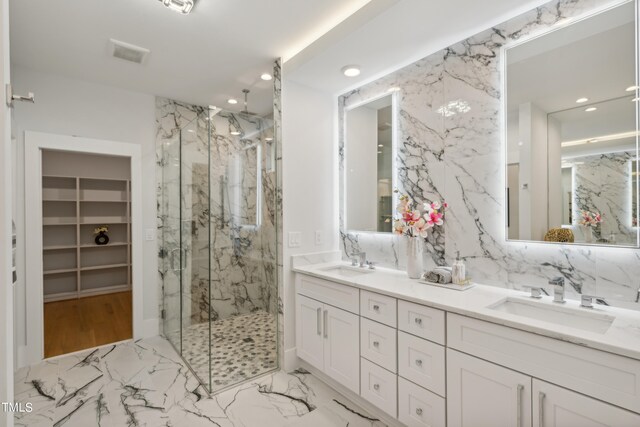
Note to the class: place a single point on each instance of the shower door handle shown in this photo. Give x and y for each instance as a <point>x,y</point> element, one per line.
<point>172,259</point>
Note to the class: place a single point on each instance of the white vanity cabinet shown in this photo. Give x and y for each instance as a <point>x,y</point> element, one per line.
<point>555,406</point>
<point>328,338</point>
<point>481,394</point>
<point>427,367</point>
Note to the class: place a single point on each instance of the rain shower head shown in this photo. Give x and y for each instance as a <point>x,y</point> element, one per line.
<point>246,104</point>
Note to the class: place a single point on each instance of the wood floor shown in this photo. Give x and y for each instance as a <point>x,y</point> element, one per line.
<point>78,324</point>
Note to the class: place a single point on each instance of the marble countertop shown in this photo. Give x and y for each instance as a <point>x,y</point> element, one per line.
<point>622,337</point>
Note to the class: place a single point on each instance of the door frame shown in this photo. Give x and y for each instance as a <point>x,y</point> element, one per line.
<point>6,234</point>
<point>35,142</point>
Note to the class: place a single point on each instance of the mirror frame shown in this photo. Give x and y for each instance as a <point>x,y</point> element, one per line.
<point>394,159</point>
<point>504,115</point>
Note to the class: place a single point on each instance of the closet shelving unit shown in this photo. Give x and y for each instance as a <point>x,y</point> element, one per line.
<point>73,265</point>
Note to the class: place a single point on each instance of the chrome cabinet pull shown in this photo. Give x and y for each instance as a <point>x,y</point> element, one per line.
<point>376,387</point>
<point>376,308</point>
<point>318,315</point>
<point>418,362</point>
<point>419,411</point>
<point>519,408</point>
<point>418,321</point>
<point>541,397</point>
<point>376,344</point>
<point>326,333</point>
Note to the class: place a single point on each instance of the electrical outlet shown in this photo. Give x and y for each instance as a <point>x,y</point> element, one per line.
<point>295,239</point>
<point>319,240</point>
<point>150,234</point>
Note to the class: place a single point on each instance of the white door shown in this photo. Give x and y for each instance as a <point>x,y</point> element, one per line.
<point>6,273</point>
<point>558,407</point>
<point>341,331</point>
<point>309,341</point>
<point>481,394</point>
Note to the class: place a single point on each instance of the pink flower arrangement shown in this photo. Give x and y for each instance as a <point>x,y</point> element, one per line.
<point>590,219</point>
<point>414,223</point>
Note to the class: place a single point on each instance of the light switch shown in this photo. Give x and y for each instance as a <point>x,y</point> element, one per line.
<point>319,239</point>
<point>295,239</point>
<point>150,234</point>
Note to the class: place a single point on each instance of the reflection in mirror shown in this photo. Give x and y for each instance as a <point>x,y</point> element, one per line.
<point>369,159</point>
<point>571,133</point>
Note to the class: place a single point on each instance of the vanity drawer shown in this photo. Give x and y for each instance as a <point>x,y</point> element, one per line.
<point>380,308</point>
<point>605,376</point>
<point>379,387</point>
<point>422,361</point>
<point>378,343</point>
<point>335,294</point>
<point>425,322</point>
<point>418,407</point>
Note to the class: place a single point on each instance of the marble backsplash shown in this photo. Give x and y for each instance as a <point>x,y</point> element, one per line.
<point>458,158</point>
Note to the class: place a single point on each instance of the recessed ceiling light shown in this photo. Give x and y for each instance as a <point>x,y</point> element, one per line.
<point>235,132</point>
<point>181,6</point>
<point>632,88</point>
<point>590,109</point>
<point>635,100</point>
<point>351,70</point>
<point>581,100</point>
<point>520,143</point>
<point>266,76</point>
<point>380,145</point>
<point>379,152</point>
<point>268,139</point>
<point>232,101</point>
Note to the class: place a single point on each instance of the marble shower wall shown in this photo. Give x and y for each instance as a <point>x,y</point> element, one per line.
<point>458,158</point>
<point>226,244</point>
<point>602,185</point>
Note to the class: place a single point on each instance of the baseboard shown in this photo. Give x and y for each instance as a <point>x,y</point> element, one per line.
<point>150,328</point>
<point>355,398</point>
<point>291,360</point>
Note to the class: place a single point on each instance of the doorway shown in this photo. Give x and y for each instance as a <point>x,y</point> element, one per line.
<point>83,210</point>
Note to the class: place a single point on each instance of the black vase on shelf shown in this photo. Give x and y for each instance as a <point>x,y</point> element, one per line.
<point>102,239</point>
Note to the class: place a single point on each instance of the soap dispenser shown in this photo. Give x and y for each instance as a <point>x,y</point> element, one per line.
<point>458,273</point>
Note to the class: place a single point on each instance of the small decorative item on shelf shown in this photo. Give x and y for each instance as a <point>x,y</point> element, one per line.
<point>588,221</point>
<point>416,224</point>
<point>562,235</point>
<point>101,236</point>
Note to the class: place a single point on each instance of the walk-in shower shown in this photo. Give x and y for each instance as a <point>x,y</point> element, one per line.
<point>218,212</point>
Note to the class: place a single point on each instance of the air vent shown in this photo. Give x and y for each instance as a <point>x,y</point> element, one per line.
<point>128,52</point>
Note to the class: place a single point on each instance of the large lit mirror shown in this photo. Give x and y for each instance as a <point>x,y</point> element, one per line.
<point>369,165</point>
<point>571,133</point>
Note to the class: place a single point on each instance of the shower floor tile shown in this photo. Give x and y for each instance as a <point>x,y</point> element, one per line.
<point>146,383</point>
<point>242,347</point>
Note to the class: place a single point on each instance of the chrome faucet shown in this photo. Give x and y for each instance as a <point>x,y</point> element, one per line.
<point>558,289</point>
<point>358,258</point>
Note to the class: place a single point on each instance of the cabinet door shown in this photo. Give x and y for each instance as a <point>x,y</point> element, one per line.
<point>481,394</point>
<point>558,407</point>
<point>309,341</point>
<point>341,331</point>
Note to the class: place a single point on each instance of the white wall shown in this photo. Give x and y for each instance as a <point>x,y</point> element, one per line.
<point>361,162</point>
<point>309,178</point>
<point>73,107</point>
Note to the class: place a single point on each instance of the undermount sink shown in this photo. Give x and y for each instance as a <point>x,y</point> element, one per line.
<point>556,314</point>
<point>347,271</point>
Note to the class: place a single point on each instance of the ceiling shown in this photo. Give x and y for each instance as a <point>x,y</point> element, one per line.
<point>386,40</point>
<point>204,58</point>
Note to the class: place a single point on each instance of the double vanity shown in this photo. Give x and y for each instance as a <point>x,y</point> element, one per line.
<point>488,356</point>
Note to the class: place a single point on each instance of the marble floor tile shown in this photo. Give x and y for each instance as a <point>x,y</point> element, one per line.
<point>146,383</point>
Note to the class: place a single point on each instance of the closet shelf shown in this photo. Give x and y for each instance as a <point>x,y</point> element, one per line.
<point>60,271</point>
<point>59,247</point>
<point>110,245</point>
<point>103,267</point>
